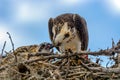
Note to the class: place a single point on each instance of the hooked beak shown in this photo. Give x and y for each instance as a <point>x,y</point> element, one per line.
<point>51,46</point>
<point>56,44</point>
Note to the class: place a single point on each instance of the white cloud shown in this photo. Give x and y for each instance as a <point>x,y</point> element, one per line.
<point>73,2</point>
<point>70,1</point>
<point>3,35</point>
<point>4,28</point>
<point>113,6</point>
<point>28,11</point>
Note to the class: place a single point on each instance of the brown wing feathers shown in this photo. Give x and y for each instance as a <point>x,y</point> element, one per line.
<point>81,26</point>
<point>50,25</point>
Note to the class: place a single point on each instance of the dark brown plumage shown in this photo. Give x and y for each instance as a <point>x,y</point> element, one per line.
<point>73,21</point>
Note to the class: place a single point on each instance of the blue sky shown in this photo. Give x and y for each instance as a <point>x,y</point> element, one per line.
<point>27,20</point>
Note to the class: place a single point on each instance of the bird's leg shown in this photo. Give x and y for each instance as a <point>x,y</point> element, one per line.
<point>63,60</point>
<point>85,56</point>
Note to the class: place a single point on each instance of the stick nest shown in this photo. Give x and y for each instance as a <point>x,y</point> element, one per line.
<point>53,66</point>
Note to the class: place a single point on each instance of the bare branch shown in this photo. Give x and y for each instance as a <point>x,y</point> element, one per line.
<point>106,52</point>
<point>12,45</point>
<point>3,48</point>
<point>113,43</point>
<point>11,41</point>
<point>60,56</point>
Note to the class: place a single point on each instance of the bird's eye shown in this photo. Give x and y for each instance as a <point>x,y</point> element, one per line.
<point>62,23</point>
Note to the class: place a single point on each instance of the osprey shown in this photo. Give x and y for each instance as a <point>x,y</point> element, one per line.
<point>44,47</point>
<point>24,51</point>
<point>68,33</point>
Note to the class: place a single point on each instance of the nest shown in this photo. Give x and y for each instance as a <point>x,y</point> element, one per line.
<point>53,66</point>
<point>50,66</point>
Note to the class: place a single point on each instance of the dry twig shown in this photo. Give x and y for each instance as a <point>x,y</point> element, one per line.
<point>3,49</point>
<point>11,41</point>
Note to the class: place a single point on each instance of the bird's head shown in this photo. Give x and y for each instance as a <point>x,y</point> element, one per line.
<point>45,47</point>
<point>61,33</point>
<point>62,29</point>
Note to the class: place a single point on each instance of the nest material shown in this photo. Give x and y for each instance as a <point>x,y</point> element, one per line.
<point>44,67</point>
